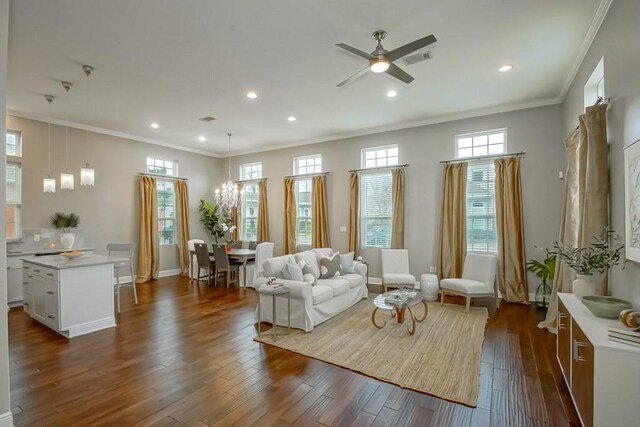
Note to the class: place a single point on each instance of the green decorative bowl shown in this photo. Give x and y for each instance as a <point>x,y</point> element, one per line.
<point>606,307</point>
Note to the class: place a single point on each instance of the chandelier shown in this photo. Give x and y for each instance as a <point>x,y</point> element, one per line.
<point>229,197</point>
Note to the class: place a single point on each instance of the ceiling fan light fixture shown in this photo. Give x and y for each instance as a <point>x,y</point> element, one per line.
<point>379,65</point>
<point>505,68</point>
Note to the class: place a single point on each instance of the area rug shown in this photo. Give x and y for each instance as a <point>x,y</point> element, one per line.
<point>442,358</point>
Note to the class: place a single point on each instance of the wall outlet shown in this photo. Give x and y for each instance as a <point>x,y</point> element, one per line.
<point>36,237</point>
<point>343,228</point>
<point>433,269</point>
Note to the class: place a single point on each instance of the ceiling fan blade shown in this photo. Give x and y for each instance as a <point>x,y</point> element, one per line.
<point>410,47</point>
<point>354,77</point>
<point>399,74</point>
<point>355,51</point>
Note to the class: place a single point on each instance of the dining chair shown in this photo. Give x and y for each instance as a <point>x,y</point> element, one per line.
<point>123,250</point>
<point>236,244</point>
<point>252,245</point>
<point>223,265</point>
<point>204,261</point>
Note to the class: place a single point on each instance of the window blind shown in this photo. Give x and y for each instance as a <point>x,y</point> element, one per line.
<point>481,211</point>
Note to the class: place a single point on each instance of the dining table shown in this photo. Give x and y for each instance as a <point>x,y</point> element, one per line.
<point>240,254</point>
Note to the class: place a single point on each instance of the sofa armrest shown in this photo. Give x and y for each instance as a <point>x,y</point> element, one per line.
<point>360,268</point>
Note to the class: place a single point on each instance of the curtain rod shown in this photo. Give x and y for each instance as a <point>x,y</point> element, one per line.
<point>599,101</point>
<point>157,175</point>
<point>251,180</point>
<point>380,168</point>
<point>307,175</point>
<point>497,156</point>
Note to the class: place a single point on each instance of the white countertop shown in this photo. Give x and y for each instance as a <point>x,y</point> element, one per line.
<point>44,251</point>
<point>595,328</point>
<point>59,262</point>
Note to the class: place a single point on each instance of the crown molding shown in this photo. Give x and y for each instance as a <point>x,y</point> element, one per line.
<point>597,21</point>
<point>118,134</point>
<point>431,121</point>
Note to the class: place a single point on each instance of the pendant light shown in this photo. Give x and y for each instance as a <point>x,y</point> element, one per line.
<point>87,174</point>
<point>66,178</point>
<point>48,183</point>
<point>229,197</point>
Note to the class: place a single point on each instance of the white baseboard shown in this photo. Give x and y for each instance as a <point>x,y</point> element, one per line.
<point>6,419</point>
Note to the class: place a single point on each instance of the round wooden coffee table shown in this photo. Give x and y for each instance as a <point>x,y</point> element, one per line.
<point>399,308</point>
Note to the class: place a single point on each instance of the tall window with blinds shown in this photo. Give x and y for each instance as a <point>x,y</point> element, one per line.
<point>481,211</point>
<point>249,207</point>
<point>301,166</point>
<point>166,198</point>
<point>376,204</point>
<point>13,202</point>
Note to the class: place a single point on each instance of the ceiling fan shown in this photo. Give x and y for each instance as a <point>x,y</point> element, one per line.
<point>381,60</point>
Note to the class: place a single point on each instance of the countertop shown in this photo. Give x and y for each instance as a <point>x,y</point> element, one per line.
<point>59,262</point>
<point>44,251</point>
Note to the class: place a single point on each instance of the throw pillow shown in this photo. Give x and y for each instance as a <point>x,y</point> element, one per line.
<point>273,266</point>
<point>307,271</point>
<point>347,264</point>
<point>292,272</point>
<point>330,266</point>
<point>308,278</point>
<point>310,258</point>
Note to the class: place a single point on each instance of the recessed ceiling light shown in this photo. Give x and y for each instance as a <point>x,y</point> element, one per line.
<point>252,95</point>
<point>291,118</point>
<point>202,138</point>
<point>505,68</point>
<point>154,125</point>
<point>392,93</point>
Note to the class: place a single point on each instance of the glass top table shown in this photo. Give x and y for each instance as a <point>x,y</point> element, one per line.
<point>398,302</point>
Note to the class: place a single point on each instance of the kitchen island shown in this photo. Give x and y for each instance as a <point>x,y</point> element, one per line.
<point>71,296</point>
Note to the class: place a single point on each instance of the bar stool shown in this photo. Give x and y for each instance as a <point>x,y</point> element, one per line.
<point>123,248</point>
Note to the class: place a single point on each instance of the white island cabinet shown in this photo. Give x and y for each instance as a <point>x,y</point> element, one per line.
<point>73,297</point>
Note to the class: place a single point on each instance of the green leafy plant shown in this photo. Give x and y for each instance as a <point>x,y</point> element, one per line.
<point>546,268</point>
<point>213,219</point>
<point>605,252</point>
<point>65,221</point>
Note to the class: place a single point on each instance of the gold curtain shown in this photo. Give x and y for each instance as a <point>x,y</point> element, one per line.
<point>397,220</point>
<point>585,210</point>
<point>235,212</point>
<point>453,221</point>
<point>148,239</point>
<point>290,216</point>
<point>512,273</point>
<point>182,224</point>
<point>263,217</point>
<point>354,211</point>
<point>319,212</point>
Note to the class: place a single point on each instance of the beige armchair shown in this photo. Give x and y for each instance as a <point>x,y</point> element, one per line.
<point>395,269</point>
<point>478,279</point>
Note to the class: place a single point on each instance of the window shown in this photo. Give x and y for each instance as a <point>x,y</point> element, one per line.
<point>478,144</point>
<point>166,198</point>
<point>376,205</point>
<point>594,88</point>
<point>481,209</point>
<point>13,206</point>
<point>305,165</point>
<point>249,209</point>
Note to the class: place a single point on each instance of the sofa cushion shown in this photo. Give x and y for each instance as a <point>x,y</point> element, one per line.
<point>322,252</point>
<point>466,286</point>
<point>321,293</point>
<point>273,266</point>
<point>354,280</point>
<point>399,278</point>
<point>292,272</point>
<point>330,266</point>
<point>338,285</point>
<point>310,258</point>
<point>346,262</point>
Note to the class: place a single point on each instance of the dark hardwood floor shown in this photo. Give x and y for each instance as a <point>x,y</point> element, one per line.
<point>186,356</point>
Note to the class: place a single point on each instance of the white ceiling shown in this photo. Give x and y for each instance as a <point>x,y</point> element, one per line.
<point>175,61</point>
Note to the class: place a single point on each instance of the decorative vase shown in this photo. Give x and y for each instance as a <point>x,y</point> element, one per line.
<point>584,285</point>
<point>228,247</point>
<point>67,240</point>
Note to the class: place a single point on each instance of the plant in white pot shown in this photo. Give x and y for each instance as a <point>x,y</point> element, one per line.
<point>605,252</point>
<point>66,222</point>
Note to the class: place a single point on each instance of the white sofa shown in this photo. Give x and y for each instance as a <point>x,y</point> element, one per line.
<point>311,304</point>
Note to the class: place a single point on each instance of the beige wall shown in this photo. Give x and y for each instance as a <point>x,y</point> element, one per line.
<point>617,42</point>
<point>537,131</point>
<point>109,212</point>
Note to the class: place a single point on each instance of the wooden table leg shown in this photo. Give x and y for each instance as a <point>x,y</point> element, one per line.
<point>373,319</point>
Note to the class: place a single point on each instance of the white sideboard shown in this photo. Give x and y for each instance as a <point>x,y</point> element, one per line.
<point>603,376</point>
<point>72,297</point>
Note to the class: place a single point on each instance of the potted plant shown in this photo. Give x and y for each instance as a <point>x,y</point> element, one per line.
<point>212,217</point>
<point>228,234</point>
<point>605,252</point>
<point>66,222</point>
<point>545,270</point>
